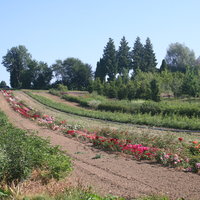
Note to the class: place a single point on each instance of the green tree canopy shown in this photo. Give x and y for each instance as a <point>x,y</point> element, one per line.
<point>42,76</point>
<point>16,61</point>
<point>73,73</point>
<point>179,56</point>
<point>3,84</point>
<point>36,76</point>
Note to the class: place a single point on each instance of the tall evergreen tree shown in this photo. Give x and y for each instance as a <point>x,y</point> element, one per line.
<point>149,58</point>
<point>137,55</point>
<point>123,57</point>
<point>109,60</point>
<point>163,66</point>
<point>100,70</point>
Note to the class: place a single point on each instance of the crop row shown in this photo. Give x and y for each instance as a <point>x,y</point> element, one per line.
<point>170,121</point>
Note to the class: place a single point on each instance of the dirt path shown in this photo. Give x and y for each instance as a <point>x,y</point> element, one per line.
<point>113,174</point>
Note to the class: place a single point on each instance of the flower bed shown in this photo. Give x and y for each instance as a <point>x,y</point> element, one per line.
<point>189,160</point>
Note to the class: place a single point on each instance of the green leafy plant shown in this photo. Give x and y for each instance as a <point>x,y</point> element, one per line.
<point>22,152</point>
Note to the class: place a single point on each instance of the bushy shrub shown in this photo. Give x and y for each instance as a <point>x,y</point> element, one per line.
<point>22,152</point>
<point>112,92</point>
<point>62,88</point>
<point>150,107</point>
<point>75,99</point>
<point>122,92</point>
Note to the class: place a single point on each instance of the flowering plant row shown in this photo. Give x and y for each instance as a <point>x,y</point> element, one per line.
<point>138,151</point>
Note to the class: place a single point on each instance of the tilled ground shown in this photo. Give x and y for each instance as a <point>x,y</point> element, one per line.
<point>113,173</point>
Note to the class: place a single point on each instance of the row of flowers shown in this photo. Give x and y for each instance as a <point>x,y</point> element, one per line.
<point>138,151</point>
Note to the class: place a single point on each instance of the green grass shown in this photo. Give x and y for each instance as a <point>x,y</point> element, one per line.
<point>168,120</point>
<point>75,194</point>
<point>83,194</point>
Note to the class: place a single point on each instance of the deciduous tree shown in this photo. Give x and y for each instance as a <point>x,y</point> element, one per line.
<point>16,61</point>
<point>179,56</point>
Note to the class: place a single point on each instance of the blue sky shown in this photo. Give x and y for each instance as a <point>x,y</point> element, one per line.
<point>58,29</point>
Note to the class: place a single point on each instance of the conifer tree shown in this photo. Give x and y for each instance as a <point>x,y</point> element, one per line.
<point>109,59</point>
<point>155,92</point>
<point>137,55</point>
<point>100,70</point>
<point>123,57</point>
<point>163,66</point>
<point>149,58</point>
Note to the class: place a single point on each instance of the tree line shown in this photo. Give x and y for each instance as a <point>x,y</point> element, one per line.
<point>123,70</point>
<point>126,73</point>
<point>121,61</point>
<point>28,73</point>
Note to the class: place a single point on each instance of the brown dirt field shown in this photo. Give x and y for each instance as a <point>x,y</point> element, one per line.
<point>112,173</point>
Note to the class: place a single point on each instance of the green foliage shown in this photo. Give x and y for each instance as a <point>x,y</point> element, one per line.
<point>42,76</point>
<point>112,91</point>
<point>163,66</point>
<point>131,89</point>
<point>109,60</point>
<point>123,57</point>
<point>100,70</point>
<point>73,73</point>
<point>75,194</point>
<point>149,58</point>
<point>90,87</point>
<point>191,85</point>
<point>55,92</point>
<point>172,120</point>
<point>79,100</point>
<point>137,55</point>
<point>3,84</point>
<point>15,62</point>
<point>62,88</point>
<point>21,153</point>
<point>155,93</point>
<point>98,86</point>
<point>122,92</point>
<point>179,56</point>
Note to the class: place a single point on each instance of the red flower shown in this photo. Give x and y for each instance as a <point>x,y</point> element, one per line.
<point>195,142</point>
<point>71,132</point>
<point>180,139</point>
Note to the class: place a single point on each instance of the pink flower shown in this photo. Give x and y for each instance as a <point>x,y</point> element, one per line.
<point>197,165</point>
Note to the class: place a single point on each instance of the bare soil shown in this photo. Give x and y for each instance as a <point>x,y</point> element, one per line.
<point>111,173</point>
